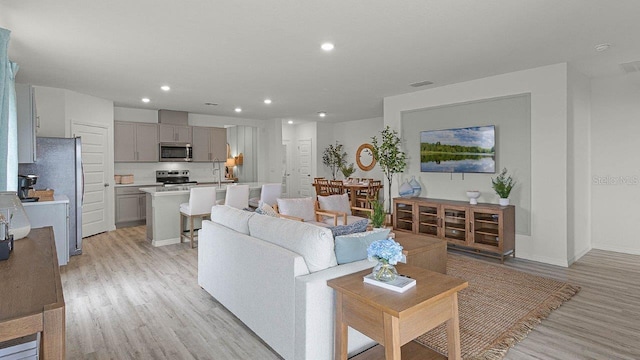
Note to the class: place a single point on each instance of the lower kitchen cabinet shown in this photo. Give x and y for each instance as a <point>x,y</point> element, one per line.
<point>55,214</point>
<point>130,206</point>
<point>487,229</point>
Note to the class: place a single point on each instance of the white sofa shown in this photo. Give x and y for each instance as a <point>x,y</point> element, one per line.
<point>271,273</point>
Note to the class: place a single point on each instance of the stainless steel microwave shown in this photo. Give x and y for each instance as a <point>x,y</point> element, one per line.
<point>176,152</point>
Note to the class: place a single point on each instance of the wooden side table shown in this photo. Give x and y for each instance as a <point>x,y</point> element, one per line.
<point>31,299</point>
<point>424,251</point>
<point>394,319</point>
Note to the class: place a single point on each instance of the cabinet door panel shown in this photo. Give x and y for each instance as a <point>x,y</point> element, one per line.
<point>486,230</point>
<point>219,144</point>
<point>201,144</point>
<point>166,133</point>
<point>125,142</point>
<point>454,224</point>
<point>127,208</point>
<point>147,142</point>
<point>183,134</point>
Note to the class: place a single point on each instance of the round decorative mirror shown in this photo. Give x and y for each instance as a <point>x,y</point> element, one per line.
<point>364,157</point>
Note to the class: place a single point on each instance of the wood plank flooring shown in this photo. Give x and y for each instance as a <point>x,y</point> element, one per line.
<point>128,300</point>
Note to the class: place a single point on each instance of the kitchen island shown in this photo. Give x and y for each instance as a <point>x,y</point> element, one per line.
<point>163,210</point>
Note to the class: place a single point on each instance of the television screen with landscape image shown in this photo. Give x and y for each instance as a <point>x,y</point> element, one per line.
<point>464,150</point>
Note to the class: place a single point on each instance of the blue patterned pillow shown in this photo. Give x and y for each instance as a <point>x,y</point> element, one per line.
<point>356,227</point>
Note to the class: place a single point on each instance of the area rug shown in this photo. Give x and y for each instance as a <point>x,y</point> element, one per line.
<point>498,309</point>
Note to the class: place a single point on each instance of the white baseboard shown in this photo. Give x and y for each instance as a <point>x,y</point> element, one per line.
<point>165,242</point>
<point>624,250</point>
<point>543,259</point>
<point>579,255</point>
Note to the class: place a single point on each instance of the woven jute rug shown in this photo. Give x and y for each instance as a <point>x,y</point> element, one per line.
<point>498,309</point>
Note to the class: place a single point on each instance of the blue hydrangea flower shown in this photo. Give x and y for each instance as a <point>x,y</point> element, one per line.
<point>385,250</point>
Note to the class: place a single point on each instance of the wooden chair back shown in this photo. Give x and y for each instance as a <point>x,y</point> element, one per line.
<point>322,187</point>
<point>336,187</point>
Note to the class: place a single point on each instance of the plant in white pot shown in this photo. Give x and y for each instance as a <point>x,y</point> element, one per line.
<point>389,156</point>
<point>503,185</point>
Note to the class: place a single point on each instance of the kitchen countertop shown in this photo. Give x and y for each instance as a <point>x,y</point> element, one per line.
<point>140,183</point>
<point>57,199</point>
<point>179,190</point>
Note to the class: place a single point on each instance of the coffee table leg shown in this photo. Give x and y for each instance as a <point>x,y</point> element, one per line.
<point>53,334</point>
<point>391,337</point>
<point>453,330</point>
<point>341,333</point>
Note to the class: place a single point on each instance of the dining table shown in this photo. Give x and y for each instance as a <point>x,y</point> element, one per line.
<point>353,188</point>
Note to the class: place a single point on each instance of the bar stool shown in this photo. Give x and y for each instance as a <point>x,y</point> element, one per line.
<point>269,194</point>
<point>237,196</point>
<point>201,199</point>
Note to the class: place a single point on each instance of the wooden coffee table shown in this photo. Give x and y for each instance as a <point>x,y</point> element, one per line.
<point>424,251</point>
<point>394,319</point>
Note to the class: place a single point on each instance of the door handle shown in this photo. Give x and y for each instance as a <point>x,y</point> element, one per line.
<point>106,184</point>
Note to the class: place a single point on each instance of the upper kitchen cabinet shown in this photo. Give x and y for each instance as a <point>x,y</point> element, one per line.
<point>209,143</point>
<point>135,142</point>
<point>175,133</point>
<point>26,111</point>
<point>174,126</point>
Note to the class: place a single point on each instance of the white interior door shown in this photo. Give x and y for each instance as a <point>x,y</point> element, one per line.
<point>304,168</point>
<point>286,167</point>
<point>95,148</point>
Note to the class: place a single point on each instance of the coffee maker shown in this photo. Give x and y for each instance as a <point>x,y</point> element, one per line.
<point>25,183</point>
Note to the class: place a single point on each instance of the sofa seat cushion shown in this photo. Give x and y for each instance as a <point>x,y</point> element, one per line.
<point>353,247</point>
<point>313,243</point>
<point>235,219</point>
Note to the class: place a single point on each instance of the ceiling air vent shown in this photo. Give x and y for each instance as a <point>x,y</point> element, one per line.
<point>421,83</point>
<point>631,67</point>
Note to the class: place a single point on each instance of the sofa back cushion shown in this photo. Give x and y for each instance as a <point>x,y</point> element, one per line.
<point>232,218</point>
<point>313,243</point>
<point>304,208</point>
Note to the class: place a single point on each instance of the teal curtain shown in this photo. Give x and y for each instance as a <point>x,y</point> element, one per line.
<point>8,118</point>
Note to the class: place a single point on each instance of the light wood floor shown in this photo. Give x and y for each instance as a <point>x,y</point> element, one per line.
<point>128,300</point>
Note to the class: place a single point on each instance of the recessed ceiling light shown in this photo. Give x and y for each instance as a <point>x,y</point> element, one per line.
<point>322,114</point>
<point>210,104</point>
<point>327,46</point>
<point>165,87</point>
<point>602,47</point>
<point>267,101</point>
<point>290,122</point>
<point>145,100</point>
<point>421,83</point>
<point>238,109</point>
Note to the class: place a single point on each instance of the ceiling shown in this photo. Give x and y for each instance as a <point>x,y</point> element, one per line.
<point>237,53</point>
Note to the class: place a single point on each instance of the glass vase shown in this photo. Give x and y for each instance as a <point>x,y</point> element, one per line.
<point>384,271</point>
<point>415,185</point>
<point>405,190</point>
<point>13,213</point>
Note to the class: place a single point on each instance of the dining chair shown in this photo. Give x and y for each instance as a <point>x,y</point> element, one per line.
<point>201,199</point>
<point>322,187</point>
<point>237,196</point>
<point>336,187</point>
<point>369,194</point>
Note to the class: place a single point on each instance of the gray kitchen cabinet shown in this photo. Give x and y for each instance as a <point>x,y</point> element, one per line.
<point>130,206</point>
<point>26,111</point>
<point>135,142</point>
<point>209,143</point>
<point>175,133</point>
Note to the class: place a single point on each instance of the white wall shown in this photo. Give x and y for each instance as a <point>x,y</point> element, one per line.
<point>615,170</point>
<point>578,164</point>
<point>548,88</point>
<point>352,134</point>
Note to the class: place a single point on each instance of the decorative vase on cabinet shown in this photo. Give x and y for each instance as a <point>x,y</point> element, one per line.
<point>415,185</point>
<point>405,190</point>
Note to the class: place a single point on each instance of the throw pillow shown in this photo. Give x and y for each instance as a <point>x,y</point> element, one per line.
<point>266,209</point>
<point>356,227</point>
<point>304,208</point>
<point>353,247</point>
<point>335,203</point>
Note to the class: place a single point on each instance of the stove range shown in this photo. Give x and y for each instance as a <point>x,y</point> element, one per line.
<point>173,177</point>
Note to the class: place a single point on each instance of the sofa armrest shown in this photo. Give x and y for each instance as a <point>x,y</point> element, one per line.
<point>315,314</point>
<point>295,218</point>
<point>361,209</point>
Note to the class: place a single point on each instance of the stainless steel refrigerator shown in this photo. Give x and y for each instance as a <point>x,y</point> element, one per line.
<point>59,167</point>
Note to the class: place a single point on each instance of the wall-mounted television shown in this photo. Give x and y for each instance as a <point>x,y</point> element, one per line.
<point>462,150</point>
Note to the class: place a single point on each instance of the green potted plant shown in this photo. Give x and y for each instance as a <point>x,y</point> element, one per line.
<point>503,185</point>
<point>377,216</point>
<point>333,157</point>
<point>389,156</point>
<point>347,170</point>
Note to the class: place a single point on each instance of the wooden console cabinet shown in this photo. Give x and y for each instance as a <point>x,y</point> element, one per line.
<point>487,229</point>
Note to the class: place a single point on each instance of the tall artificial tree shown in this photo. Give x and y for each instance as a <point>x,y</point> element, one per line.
<point>389,155</point>
<point>334,157</point>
